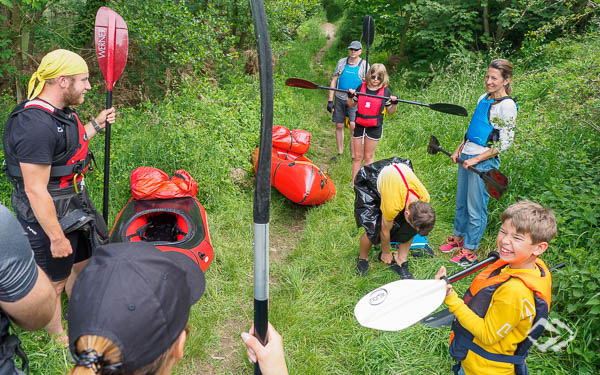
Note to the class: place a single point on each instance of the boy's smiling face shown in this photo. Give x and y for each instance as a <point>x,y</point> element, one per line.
<point>517,249</point>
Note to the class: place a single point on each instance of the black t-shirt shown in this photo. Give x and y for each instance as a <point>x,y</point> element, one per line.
<point>36,137</point>
<point>386,92</point>
<point>18,272</point>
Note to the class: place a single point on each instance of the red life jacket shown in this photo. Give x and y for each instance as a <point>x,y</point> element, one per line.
<point>76,158</point>
<point>369,108</point>
<point>478,298</point>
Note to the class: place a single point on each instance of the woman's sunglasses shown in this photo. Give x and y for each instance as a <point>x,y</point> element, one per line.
<point>379,78</point>
<point>354,49</point>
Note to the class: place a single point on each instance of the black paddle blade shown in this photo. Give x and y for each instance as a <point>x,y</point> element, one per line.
<point>297,82</point>
<point>451,109</point>
<point>434,145</point>
<point>368,30</point>
<point>498,177</point>
<point>441,318</point>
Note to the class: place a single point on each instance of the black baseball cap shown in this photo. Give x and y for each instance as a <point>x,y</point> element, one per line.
<point>136,296</point>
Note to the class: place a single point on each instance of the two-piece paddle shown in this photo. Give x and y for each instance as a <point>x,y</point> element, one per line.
<point>368,33</point>
<point>445,318</point>
<point>262,192</point>
<point>451,109</point>
<point>400,304</point>
<point>112,41</point>
<point>496,183</point>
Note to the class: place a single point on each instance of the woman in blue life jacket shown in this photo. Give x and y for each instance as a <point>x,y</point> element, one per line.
<point>490,132</point>
<point>369,116</point>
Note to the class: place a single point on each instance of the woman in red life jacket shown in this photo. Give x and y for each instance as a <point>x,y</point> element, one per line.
<point>369,116</point>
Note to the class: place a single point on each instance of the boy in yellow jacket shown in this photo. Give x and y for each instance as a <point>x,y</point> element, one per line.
<point>505,309</point>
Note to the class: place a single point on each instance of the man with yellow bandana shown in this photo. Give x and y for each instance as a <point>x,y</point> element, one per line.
<point>46,151</point>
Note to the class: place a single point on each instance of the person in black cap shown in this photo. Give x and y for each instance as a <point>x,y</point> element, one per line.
<point>348,74</point>
<point>129,311</point>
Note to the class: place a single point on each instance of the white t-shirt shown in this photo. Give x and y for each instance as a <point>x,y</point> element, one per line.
<point>502,117</point>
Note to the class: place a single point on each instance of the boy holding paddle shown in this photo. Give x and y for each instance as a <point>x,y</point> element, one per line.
<point>505,309</point>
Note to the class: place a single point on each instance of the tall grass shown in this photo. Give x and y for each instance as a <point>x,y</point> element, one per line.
<point>210,130</point>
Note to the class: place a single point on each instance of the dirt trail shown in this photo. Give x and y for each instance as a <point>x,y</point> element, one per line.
<point>329,30</point>
<point>282,242</point>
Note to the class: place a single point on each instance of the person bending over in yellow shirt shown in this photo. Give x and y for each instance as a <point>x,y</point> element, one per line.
<point>392,205</point>
<point>506,307</point>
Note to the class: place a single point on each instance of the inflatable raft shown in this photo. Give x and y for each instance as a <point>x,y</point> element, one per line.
<point>294,175</point>
<point>166,213</point>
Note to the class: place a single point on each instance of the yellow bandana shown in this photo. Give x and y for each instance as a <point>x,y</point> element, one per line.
<point>59,62</point>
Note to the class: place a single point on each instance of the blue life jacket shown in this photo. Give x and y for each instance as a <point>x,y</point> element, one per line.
<point>350,78</point>
<point>481,131</point>
<point>478,298</point>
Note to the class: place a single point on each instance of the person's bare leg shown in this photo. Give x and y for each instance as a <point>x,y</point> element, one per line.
<point>54,327</point>
<point>365,246</point>
<point>401,255</point>
<point>352,124</point>
<point>77,268</point>
<point>358,157</point>
<point>370,146</point>
<point>339,137</point>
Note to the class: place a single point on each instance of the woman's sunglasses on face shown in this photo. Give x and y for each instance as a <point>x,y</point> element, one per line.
<point>374,77</point>
<point>354,49</point>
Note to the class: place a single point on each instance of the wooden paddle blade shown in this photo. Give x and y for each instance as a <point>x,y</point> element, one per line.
<point>399,304</point>
<point>368,30</point>
<point>297,82</point>
<point>112,43</point>
<point>452,109</point>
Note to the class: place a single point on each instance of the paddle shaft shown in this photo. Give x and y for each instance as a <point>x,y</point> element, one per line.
<point>485,177</point>
<point>492,257</point>
<point>372,96</point>
<point>262,193</point>
<point>106,160</point>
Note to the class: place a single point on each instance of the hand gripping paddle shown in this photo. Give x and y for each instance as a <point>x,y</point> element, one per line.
<point>402,303</point>
<point>112,41</point>
<point>451,109</point>
<point>496,183</point>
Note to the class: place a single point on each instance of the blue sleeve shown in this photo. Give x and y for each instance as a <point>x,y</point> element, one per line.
<point>18,271</point>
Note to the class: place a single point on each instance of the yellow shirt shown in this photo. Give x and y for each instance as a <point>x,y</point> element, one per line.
<point>505,324</point>
<point>393,191</point>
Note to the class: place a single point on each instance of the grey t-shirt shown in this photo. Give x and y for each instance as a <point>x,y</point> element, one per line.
<point>362,71</point>
<point>18,272</point>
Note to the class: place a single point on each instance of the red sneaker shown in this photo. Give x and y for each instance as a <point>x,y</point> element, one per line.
<point>451,245</point>
<point>464,258</point>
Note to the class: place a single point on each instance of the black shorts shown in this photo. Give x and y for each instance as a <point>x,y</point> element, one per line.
<point>58,269</point>
<point>371,132</point>
<point>367,203</point>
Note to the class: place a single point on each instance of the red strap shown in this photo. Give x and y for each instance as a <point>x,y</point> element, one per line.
<point>408,190</point>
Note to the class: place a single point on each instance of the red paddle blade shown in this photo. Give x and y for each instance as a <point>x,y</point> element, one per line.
<point>112,42</point>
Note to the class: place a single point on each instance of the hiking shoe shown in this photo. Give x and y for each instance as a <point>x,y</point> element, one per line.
<point>464,258</point>
<point>451,245</point>
<point>362,266</point>
<point>402,270</point>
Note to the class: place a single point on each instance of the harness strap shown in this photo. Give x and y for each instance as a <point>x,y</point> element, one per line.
<point>56,170</point>
<point>408,190</point>
<point>469,344</point>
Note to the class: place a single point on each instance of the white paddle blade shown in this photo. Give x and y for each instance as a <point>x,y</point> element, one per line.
<point>399,304</point>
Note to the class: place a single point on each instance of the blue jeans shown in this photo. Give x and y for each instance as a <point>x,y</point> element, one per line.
<point>471,202</point>
<point>461,371</point>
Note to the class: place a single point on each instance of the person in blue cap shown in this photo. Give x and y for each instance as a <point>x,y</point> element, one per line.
<point>348,74</point>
